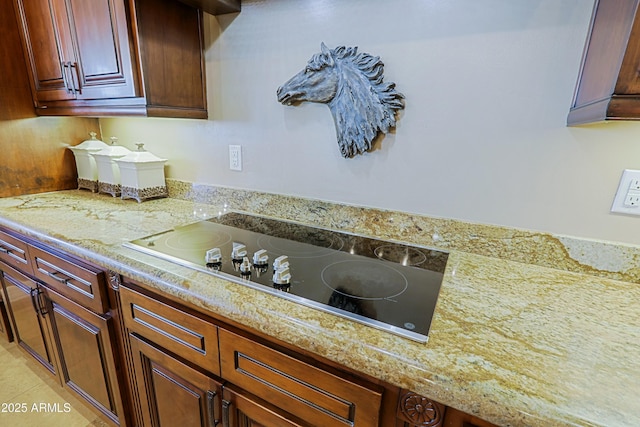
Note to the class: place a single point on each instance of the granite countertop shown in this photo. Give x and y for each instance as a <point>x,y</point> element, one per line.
<point>515,343</point>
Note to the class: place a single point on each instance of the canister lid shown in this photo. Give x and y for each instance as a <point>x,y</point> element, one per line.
<point>140,156</point>
<point>113,150</point>
<point>91,144</point>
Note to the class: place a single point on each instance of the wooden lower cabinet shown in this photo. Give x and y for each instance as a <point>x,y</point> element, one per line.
<point>191,370</point>
<point>309,392</point>
<point>31,330</point>
<point>86,353</point>
<point>172,393</point>
<point>179,358</point>
<point>75,344</point>
<point>241,409</point>
<point>189,337</point>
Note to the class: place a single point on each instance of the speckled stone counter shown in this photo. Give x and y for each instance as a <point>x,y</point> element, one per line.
<point>513,340</point>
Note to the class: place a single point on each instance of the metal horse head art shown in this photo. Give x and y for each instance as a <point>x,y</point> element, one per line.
<point>351,84</point>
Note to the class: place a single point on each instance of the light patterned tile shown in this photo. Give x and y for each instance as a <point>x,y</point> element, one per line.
<point>16,378</point>
<point>29,396</point>
<point>41,406</point>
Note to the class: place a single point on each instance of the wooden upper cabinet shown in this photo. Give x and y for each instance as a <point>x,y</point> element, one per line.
<point>89,57</point>
<point>79,49</point>
<point>608,86</point>
<point>95,48</point>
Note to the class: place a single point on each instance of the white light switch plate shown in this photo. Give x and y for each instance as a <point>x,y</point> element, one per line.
<point>627,198</point>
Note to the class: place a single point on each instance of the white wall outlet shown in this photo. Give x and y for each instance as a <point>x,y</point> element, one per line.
<point>632,200</point>
<point>627,198</point>
<point>235,157</point>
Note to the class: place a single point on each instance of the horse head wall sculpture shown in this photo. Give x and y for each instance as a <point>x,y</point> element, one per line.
<point>351,84</point>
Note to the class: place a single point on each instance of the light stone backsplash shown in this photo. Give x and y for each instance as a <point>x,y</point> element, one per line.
<point>612,260</point>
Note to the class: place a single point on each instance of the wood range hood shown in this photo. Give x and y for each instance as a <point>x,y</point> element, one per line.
<point>608,86</point>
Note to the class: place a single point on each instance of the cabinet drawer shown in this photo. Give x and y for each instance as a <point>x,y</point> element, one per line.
<point>177,331</point>
<point>14,252</point>
<point>78,281</point>
<point>299,388</point>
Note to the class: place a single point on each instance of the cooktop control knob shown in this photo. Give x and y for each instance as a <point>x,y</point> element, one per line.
<point>245,267</point>
<point>238,252</point>
<point>213,256</point>
<point>281,277</point>
<point>281,262</point>
<point>260,258</point>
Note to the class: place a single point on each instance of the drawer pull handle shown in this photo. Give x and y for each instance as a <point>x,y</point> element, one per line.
<point>225,413</point>
<point>54,276</point>
<point>211,395</point>
<point>4,250</point>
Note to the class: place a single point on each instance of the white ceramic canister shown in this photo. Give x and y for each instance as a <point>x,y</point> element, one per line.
<point>142,175</point>
<point>85,163</point>
<point>108,171</point>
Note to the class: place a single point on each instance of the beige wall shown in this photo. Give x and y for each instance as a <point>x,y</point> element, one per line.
<point>488,85</point>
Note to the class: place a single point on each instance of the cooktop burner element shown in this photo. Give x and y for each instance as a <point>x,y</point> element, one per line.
<point>386,285</point>
<point>405,255</point>
<point>311,249</point>
<point>196,240</point>
<point>364,279</point>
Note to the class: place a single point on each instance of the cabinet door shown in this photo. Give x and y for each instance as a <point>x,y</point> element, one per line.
<point>29,327</point>
<point>240,409</point>
<point>86,353</point>
<point>172,393</point>
<point>96,47</point>
<point>43,52</point>
<point>78,49</point>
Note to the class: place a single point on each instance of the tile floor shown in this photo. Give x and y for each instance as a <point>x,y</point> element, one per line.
<point>26,385</point>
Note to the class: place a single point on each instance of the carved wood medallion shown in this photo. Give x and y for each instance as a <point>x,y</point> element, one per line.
<point>114,280</point>
<point>419,411</point>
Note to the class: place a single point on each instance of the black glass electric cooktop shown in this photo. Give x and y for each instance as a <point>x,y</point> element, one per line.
<point>386,285</point>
